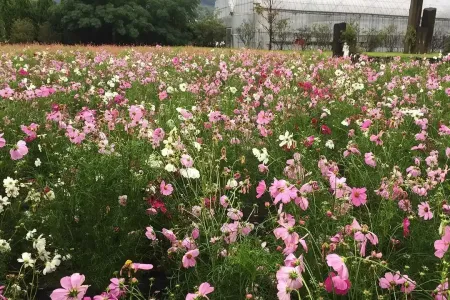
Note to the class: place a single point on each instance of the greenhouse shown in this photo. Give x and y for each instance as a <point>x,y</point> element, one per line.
<point>313,20</point>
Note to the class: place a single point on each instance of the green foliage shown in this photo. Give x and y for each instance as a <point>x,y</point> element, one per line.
<point>282,33</point>
<point>2,30</point>
<point>207,31</point>
<point>447,46</point>
<point>350,36</point>
<point>322,34</point>
<point>375,39</point>
<point>410,40</point>
<point>391,37</point>
<point>23,31</point>
<point>46,34</point>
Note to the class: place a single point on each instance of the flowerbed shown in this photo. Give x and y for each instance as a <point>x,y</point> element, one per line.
<point>194,173</point>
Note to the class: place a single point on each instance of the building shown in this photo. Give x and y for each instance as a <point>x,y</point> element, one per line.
<point>305,15</point>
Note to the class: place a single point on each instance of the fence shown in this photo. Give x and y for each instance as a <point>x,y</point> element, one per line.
<point>304,40</point>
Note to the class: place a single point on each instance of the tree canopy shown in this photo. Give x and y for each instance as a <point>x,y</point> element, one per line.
<point>167,22</point>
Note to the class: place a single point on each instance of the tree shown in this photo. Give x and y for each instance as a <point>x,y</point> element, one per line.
<point>2,30</point>
<point>207,31</point>
<point>23,31</point>
<point>437,43</point>
<point>303,37</point>
<point>268,11</point>
<point>46,34</point>
<point>392,37</point>
<point>322,34</point>
<point>282,33</point>
<point>246,33</point>
<point>374,39</point>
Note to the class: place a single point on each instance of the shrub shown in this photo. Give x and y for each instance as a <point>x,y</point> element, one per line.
<point>447,45</point>
<point>23,31</point>
<point>46,34</point>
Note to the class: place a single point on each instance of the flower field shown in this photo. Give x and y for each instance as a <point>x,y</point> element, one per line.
<point>184,173</point>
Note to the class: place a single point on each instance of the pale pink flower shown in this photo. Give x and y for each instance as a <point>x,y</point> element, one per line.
<point>425,211</point>
<point>2,141</point>
<point>186,161</point>
<point>369,159</point>
<point>204,289</point>
<point>389,281</point>
<point>260,189</point>
<point>338,265</point>
<point>19,151</point>
<point>291,275</point>
<point>189,258</point>
<point>72,288</point>
<point>165,189</point>
<point>441,246</point>
<point>150,233</point>
<point>169,235</point>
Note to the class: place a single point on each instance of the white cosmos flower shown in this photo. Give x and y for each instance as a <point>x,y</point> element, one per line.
<point>233,90</point>
<point>286,139</point>
<point>329,144</point>
<point>192,173</point>
<point>37,162</point>
<point>183,87</point>
<point>170,168</point>
<point>26,260</point>
<point>262,155</point>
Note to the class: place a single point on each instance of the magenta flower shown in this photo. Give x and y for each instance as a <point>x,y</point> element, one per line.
<point>204,289</point>
<point>2,141</point>
<point>261,189</point>
<point>189,258</point>
<point>337,285</point>
<point>359,196</point>
<point>165,189</point>
<point>117,286</point>
<point>72,288</point>
<point>425,211</point>
<point>1,293</point>
<point>441,246</point>
<point>389,281</point>
<point>19,151</point>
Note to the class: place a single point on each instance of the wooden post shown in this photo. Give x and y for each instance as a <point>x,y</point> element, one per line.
<point>338,29</point>
<point>428,21</point>
<point>415,13</point>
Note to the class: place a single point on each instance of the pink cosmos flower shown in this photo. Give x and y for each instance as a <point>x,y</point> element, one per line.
<point>408,286</point>
<point>139,266</point>
<point>186,161</point>
<point>165,189</point>
<point>195,233</point>
<point>337,285</point>
<point>359,196</point>
<point>261,189</point>
<point>224,201</point>
<point>204,289</point>
<point>338,265</point>
<point>1,293</point>
<point>282,192</point>
<point>425,211</point>
<point>19,151</point>
<point>163,95</point>
<point>441,291</point>
<point>362,235</point>
<point>169,235</point>
<point>389,281</point>
<point>189,258</point>
<point>72,288</point>
<point>291,275</point>
<point>369,159</point>
<point>234,214</point>
<point>441,246</point>
<point>117,286</point>
<point>406,224</point>
<point>2,141</point>
<point>150,233</point>
<point>377,138</point>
